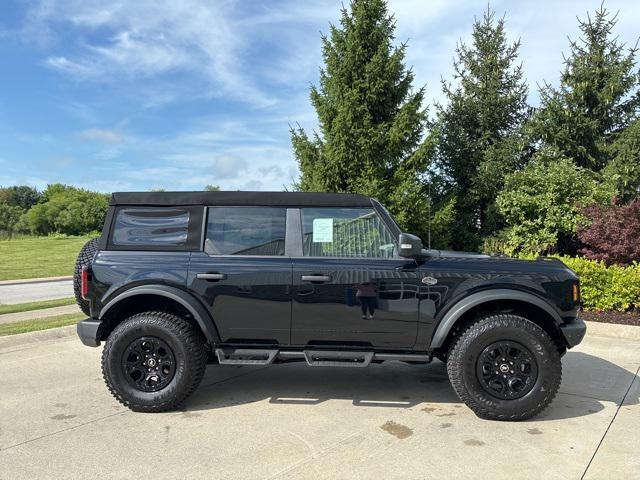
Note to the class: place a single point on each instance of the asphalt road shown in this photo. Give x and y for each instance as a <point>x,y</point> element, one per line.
<point>36,291</point>
<point>291,421</point>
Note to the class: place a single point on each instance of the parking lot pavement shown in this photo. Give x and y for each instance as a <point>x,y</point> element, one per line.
<point>291,421</point>
<point>23,292</point>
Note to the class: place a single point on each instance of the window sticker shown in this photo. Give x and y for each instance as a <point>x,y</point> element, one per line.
<point>322,230</point>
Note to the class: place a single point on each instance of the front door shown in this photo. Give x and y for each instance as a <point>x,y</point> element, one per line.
<point>349,286</point>
<point>243,275</point>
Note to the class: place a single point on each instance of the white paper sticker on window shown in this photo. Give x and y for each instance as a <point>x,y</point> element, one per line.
<point>322,230</point>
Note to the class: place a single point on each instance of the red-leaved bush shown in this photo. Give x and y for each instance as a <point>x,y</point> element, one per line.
<point>614,233</point>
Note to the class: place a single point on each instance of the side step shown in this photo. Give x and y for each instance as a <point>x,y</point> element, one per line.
<point>314,358</point>
<point>321,358</point>
<point>247,356</point>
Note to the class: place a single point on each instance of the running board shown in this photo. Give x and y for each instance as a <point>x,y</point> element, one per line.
<point>314,358</point>
<point>322,358</point>
<point>245,356</point>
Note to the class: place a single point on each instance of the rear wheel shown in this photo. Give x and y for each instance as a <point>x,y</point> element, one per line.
<point>84,259</point>
<point>153,361</point>
<point>505,367</point>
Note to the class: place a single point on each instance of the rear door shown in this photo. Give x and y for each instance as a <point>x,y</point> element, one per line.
<point>243,275</point>
<point>349,285</point>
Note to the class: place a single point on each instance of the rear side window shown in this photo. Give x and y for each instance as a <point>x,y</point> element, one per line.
<point>151,227</point>
<point>345,232</point>
<point>245,231</point>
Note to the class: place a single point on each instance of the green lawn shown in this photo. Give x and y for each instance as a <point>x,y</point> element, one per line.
<point>33,257</point>
<point>40,324</point>
<point>27,307</point>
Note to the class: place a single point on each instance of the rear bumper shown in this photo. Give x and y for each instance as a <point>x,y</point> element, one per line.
<point>89,331</point>
<point>574,332</point>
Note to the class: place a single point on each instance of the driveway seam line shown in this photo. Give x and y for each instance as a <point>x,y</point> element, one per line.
<point>61,431</point>
<point>635,377</point>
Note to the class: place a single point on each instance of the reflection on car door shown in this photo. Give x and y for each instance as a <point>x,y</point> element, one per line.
<point>330,311</point>
<point>348,287</point>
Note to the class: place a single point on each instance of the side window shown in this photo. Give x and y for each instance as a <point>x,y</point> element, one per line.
<point>150,227</point>
<point>345,232</point>
<point>245,231</point>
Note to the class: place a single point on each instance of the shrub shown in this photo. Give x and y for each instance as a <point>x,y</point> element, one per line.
<point>541,204</point>
<point>607,288</point>
<point>613,233</point>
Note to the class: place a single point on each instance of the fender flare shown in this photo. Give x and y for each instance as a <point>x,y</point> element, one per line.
<point>464,305</point>
<point>195,308</point>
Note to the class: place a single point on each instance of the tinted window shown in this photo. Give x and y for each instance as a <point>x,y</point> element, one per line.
<point>345,232</point>
<point>151,227</point>
<point>245,231</point>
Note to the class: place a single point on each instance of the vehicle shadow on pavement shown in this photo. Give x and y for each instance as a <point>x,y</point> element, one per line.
<point>588,384</point>
<point>588,381</point>
<point>391,384</point>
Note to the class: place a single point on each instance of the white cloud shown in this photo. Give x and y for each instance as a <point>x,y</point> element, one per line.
<point>228,166</point>
<point>109,137</point>
<point>148,38</point>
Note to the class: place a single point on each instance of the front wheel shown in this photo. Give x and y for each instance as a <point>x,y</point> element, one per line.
<point>153,361</point>
<point>505,367</point>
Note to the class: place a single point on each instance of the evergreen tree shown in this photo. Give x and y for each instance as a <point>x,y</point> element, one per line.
<point>370,120</point>
<point>479,128</point>
<point>623,171</point>
<point>598,96</point>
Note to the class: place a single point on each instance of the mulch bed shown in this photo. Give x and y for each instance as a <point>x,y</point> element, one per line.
<point>622,318</point>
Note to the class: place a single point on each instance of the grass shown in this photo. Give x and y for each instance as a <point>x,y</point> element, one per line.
<point>34,257</point>
<point>28,307</point>
<point>40,324</point>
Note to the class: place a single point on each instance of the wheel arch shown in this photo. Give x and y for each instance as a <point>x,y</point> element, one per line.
<point>157,297</point>
<point>499,300</point>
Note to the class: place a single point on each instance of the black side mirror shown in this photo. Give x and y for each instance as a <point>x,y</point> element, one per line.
<point>409,246</point>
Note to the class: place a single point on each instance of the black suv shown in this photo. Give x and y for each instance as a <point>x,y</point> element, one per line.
<point>181,279</point>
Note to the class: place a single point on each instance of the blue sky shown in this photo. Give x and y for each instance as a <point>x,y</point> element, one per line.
<point>134,95</point>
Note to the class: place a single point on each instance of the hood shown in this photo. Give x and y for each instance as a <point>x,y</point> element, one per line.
<point>538,264</point>
<point>452,253</point>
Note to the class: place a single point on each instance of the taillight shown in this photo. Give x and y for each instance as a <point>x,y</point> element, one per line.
<point>84,283</point>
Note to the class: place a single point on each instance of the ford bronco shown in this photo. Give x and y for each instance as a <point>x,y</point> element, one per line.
<point>182,279</point>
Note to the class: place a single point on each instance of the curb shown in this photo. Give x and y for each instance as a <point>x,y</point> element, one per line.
<point>612,330</point>
<point>17,317</point>
<point>36,280</point>
<point>37,337</point>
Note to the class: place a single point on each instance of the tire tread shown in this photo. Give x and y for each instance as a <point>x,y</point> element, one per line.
<point>193,341</point>
<point>469,334</point>
<point>85,258</point>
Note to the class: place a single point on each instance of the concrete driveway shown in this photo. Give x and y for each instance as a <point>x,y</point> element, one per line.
<point>291,421</point>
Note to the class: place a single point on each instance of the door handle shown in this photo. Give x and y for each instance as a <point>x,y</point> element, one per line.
<point>316,278</point>
<point>211,277</point>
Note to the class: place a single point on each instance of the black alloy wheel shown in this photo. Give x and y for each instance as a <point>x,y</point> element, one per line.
<point>148,364</point>
<point>504,367</point>
<point>507,370</point>
<point>152,361</point>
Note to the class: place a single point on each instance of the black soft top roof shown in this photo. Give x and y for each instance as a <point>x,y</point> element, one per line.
<point>279,199</point>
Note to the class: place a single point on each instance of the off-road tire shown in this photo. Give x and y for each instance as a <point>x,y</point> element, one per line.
<point>466,349</point>
<point>188,347</point>
<point>84,258</point>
